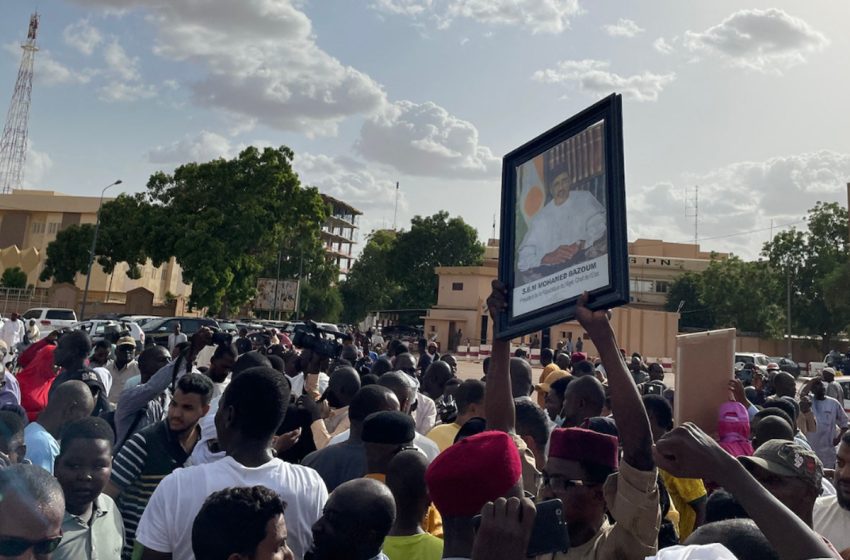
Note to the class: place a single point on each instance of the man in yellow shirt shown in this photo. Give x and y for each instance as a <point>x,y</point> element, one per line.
<point>470,404</point>
<point>687,494</point>
<point>407,539</point>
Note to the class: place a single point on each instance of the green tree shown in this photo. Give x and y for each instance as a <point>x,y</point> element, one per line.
<point>743,295</point>
<point>816,261</point>
<point>226,220</point>
<point>371,283</point>
<point>68,254</point>
<point>431,242</point>
<point>125,228</point>
<point>318,303</point>
<point>694,313</point>
<point>14,277</point>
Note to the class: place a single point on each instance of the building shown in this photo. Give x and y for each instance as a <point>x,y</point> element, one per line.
<point>643,326</point>
<point>340,233</point>
<point>31,219</point>
<point>655,264</point>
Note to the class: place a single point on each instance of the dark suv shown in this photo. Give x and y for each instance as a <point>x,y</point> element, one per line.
<point>157,330</point>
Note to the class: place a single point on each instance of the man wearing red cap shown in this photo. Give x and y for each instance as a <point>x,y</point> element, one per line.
<point>476,470</point>
<point>583,469</point>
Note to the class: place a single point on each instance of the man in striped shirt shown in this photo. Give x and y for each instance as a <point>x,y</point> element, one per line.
<point>154,452</point>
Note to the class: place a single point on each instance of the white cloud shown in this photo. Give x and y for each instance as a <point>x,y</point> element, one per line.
<point>350,180</point>
<point>764,40</point>
<point>37,165</point>
<point>205,146</point>
<point>593,76</point>
<point>623,28</point>
<point>82,36</point>
<point>126,91</point>
<point>537,16</point>
<point>262,61</point>
<point>117,60</point>
<point>661,45</point>
<point>425,139</point>
<point>741,197</point>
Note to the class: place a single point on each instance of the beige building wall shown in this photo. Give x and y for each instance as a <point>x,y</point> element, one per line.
<point>31,219</point>
<point>643,326</point>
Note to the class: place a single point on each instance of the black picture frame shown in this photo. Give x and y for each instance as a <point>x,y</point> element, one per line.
<point>572,150</point>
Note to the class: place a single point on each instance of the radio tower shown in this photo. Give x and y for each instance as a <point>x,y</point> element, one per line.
<point>13,145</point>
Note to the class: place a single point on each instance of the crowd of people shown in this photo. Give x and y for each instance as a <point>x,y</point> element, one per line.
<point>256,449</point>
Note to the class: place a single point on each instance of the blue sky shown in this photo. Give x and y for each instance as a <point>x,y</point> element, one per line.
<point>746,100</point>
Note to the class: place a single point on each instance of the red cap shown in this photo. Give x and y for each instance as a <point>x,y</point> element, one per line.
<point>576,357</point>
<point>587,446</point>
<point>472,472</point>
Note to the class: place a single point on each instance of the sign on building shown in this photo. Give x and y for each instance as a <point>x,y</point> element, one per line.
<point>287,291</point>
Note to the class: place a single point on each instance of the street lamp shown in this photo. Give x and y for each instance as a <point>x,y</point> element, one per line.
<point>91,251</point>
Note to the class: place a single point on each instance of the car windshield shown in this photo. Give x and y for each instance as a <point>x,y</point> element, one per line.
<point>744,359</point>
<point>155,324</point>
<point>761,360</point>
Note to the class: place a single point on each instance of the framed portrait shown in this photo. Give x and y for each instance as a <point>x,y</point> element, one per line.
<point>563,228</point>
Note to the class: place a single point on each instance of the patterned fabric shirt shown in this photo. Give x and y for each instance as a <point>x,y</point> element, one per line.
<point>147,457</point>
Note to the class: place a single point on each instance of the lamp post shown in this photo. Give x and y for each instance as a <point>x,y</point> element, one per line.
<point>91,251</point>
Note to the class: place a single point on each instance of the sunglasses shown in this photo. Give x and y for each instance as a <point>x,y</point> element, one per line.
<point>16,546</point>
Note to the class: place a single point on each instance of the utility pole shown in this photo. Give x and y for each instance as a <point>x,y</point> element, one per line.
<point>788,309</point>
<point>395,213</point>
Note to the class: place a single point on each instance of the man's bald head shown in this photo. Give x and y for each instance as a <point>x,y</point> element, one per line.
<point>406,481</point>
<point>771,427</point>
<point>370,399</point>
<point>70,401</point>
<point>405,362</point>
<point>435,379</point>
<point>402,385</point>
<point>32,504</point>
<point>784,384</point>
<point>344,382</point>
<point>584,398</point>
<point>521,384</point>
<point>357,517</point>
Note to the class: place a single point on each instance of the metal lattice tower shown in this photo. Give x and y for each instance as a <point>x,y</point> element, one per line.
<point>13,145</point>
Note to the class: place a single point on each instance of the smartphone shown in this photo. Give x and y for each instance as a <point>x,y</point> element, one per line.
<point>549,534</point>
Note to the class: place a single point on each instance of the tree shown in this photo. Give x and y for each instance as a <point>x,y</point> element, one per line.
<point>126,225</point>
<point>226,220</point>
<point>14,277</point>
<point>743,295</point>
<point>322,304</point>
<point>370,284</point>
<point>694,313</point>
<point>815,261</point>
<point>431,242</point>
<point>68,254</point>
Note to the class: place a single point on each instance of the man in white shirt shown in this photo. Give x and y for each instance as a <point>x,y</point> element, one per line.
<point>831,516</point>
<point>249,413</point>
<point>12,332</point>
<point>175,338</point>
<point>830,416</point>
<point>123,367</point>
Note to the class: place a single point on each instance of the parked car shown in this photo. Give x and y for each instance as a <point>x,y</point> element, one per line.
<point>158,330</point>
<point>755,358</point>
<point>50,318</point>
<point>98,329</point>
<point>845,384</point>
<point>140,319</point>
<point>403,332</point>
<point>786,365</point>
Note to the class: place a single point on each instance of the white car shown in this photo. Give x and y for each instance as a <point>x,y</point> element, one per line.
<point>50,319</point>
<point>760,360</point>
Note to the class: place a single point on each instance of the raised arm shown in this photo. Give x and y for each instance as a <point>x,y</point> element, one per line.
<point>626,403</point>
<point>498,398</point>
<point>688,452</point>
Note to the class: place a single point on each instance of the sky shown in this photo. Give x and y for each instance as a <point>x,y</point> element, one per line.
<point>746,100</point>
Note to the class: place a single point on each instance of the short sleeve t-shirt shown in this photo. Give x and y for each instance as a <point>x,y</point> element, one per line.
<point>166,524</point>
<point>444,435</point>
<point>42,448</point>
<point>413,547</point>
<point>832,521</point>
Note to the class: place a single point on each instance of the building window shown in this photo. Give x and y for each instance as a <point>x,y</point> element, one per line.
<point>641,286</point>
<point>53,229</point>
<point>38,227</point>
<point>662,287</point>
<point>457,286</point>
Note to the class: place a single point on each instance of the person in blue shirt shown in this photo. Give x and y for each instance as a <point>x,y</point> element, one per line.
<point>69,402</point>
